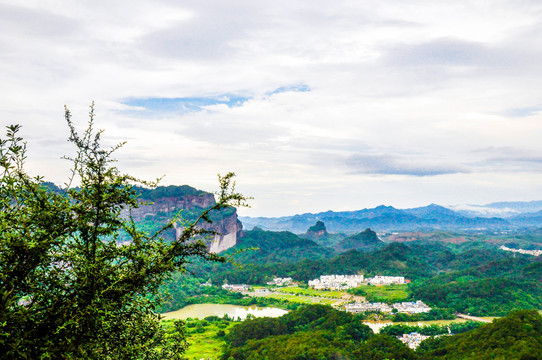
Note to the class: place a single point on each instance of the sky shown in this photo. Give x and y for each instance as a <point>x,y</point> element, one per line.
<point>315,105</point>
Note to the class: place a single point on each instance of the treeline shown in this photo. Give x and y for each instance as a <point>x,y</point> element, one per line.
<point>182,290</point>
<point>277,247</point>
<point>430,330</point>
<point>311,332</point>
<point>475,281</point>
<point>320,332</point>
<point>415,261</point>
<point>516,336</point>
<point>494,288</point>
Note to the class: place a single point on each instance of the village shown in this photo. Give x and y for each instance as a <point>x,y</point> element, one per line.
<point>407,307</point>
<point>340,283</point>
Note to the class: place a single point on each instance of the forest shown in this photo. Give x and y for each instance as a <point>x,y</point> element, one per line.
<point>320,332</point>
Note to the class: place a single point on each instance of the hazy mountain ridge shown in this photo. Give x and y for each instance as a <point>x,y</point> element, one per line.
<point>504,209</point>
<point>388,218</point>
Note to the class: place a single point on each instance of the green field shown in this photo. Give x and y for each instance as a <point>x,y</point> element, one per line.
<point>301,299</point>
<point>311,292</point>
<point>388,293</point>
<point>204,337</point>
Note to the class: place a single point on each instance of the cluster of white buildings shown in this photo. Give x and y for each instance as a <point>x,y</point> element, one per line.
<point>413,339</point>
<point>343,282</point>
<point>521,251</point>
<point>360,307</point>
<point>236,287</point>
<point>411,307</point>
<point>280,281</point>
<point>408,307</point>
<point>336,282</point>
<point>385,280</point>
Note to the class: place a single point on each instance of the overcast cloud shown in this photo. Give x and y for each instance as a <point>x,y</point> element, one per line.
<point>314,105</point>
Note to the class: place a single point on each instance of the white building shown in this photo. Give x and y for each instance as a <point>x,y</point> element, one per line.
<point>280,281</point>
<point>413,339</point>
<point>336,282</point>
<point>404,307</point>
<point>359,307</point>
<point>521,251</point>
<point>236,287</point>
<point>412,307</point>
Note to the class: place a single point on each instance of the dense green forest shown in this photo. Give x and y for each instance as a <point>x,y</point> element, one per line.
<point>320,332</point>
<point>477,279</point>
<point>311,332</point>
<point>516,336</point>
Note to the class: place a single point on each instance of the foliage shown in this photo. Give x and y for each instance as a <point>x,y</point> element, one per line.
<point>311,332</point>
<point>364,241</point>
<point>167,191</point>
<point>493,288</point>
<point>317,227</point>
<point>277,247</point>
<point>430,330</point>
<point>207,344</point>
<point>433,314</point>
<point>388,293</point>
<point>183,289</point>
<point>68,289</point>
<point>516,336</point>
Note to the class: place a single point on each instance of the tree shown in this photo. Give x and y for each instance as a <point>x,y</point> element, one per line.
<point>68,289</point>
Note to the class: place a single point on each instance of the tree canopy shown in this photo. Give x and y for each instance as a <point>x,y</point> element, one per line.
<point>68,288</point>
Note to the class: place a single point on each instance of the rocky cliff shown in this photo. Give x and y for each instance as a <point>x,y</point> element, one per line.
<point>160,204</point>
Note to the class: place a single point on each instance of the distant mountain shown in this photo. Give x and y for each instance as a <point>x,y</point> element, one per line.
<point>364,241</point>
<point>498,209</point>
<point>318,230</point>
<point>528,219</point>
<point>381,218</point>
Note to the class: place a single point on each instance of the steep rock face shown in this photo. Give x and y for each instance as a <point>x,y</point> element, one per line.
<point>158,205</point>
<point>171,204</point>
<point>229,230</point>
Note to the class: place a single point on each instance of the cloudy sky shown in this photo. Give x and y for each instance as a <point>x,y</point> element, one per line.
<point>315,105</point>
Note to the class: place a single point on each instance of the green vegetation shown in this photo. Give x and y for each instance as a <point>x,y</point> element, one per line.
<point>168,191</point>
<point>363,241</point>
<point>430,330</point>
<point>493,288</point>
<point>388,294</point>
<point>516,336</point>
<point>319,332</point>
<point>68,290</point>
<point>183,289</point>
<point>318,227</point>
<point>277,247</point>
<point>205,337</point>
<point>310,292</point>
<point>311,332</point>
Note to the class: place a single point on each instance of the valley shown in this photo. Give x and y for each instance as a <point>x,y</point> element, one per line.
<point>462,266</point>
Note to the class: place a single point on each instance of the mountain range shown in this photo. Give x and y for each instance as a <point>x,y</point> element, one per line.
<point>514,215</point>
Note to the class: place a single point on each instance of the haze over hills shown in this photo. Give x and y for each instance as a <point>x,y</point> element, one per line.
<point>503,209</point>
<point>388,218</point>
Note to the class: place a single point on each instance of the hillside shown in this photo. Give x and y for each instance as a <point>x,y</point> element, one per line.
<point>277,247</point>
<point>516,336</point>
<point>364,241</point>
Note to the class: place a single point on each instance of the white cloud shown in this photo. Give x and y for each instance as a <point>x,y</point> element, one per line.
<point>397,90</point>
